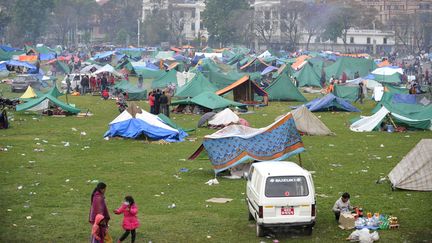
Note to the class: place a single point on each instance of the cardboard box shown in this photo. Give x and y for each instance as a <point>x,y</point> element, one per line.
<point>347,221</point>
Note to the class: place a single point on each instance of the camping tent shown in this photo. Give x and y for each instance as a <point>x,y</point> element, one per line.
<point>350,66</point>
<point>243,90</point>
<point>208,100</point>
<point>135,122</point>
<point>43,101</point>
<point>347,92</point>
<point>163,81</point>
<point>236,144</point>
<point>134,93</point>
<point>196,86</point>
<point>28,94</point>
<point>330,102</point>
<point>108,69</point>
<point>412,111</point>
<point>224,118</point>
<point>283,89</point>
<point>413,172</point>
<point>307,77</point>
<point>306,122</point>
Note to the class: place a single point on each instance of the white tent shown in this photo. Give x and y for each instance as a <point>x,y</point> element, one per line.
<point>265,54</point>
<point>184,77</point>
<point>308,123</point>
<point>87,69</point>
<point>387,71</point>
<point>224,118</point>
<point>413,172</point>
<point>108,69</point>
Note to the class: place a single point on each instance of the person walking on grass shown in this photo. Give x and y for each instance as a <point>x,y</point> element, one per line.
<point>360,94</point>
<point>98,206</point>
<point>130,219</point>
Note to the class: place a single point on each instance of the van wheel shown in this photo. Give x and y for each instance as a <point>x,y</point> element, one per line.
<point>251,217</point>
<point>259,230</point>
<point>308,230</point>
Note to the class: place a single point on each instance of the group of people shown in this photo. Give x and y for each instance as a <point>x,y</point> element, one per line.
<point>99,216</point>
<point>159,102</point>
<point>94,83</point>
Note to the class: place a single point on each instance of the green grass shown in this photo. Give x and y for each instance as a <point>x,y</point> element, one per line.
<point>59,209</point>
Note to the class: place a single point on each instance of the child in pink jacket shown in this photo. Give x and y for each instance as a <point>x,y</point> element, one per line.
<point>130,220</point>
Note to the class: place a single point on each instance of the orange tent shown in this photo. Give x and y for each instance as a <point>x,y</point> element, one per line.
<point>384,63</point>
<point>188,47</point>
<point>175,49</point>
<point>299,61</point>
<point>25,58</point>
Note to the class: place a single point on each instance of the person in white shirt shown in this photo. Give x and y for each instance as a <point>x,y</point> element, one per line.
<point>342,205</point>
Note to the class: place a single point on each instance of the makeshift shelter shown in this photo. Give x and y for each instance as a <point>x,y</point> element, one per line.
<point>243,90</point>
<point>134,123</point>
<point>90,68</point>
<point>350,66</point>
<point>209,101</point>
<point>347,92</point>
<point>168,78</point>
<point>283,89</point>
<point>330,103</point>
<point>224,118</point>
<point>307,123</point>
<point>413,172</point>
<point>148,73</point>
<point>134,93</point>
<point>28,94</point>
<point>196,86</point>
<point>390,79</point>
<point>44,102</point>
<point>307,77</point>
<point>412,111</point>
<point>236,144</point>
<point>108,69</point>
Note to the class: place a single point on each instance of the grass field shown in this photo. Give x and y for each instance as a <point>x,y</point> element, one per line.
<point>57,183</point>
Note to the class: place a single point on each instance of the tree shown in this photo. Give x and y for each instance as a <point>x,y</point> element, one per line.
<point>313,19</point>
<point>29,20</point>
<point>5,16</point>
<point>155,27</point>
<point>217,16</point>
<point>176,22</point>
<point>290,21</point>
<point>264,27</point>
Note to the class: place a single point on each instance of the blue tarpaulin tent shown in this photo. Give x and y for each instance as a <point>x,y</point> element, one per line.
<point>133,124</point>
<point>330,102</point>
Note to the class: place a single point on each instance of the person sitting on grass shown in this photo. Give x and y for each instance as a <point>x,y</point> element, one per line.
<point>342,205</point>
<point>105,94</point>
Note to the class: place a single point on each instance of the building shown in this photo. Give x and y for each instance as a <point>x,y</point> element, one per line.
<point>186,13</point>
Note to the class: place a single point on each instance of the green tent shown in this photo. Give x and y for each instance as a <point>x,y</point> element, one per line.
<point>195,86</point>
<point>416,113</point>
<point>54,92</point>
<point>307,77</point>
<point>6,56</point>
<point>134,93</point>
<point>395,89</point>
<point>350,66</point>
<point>208,100</point>
<point>393,79</point>
<point>126,63</point>
<point>149,73</point>
<point>347,92</point>
<point>285,68</point>
<point>169,77</point>
<point>34,102</point>
<point>283,89</point>
<point>63,67</point>
<point>317,64</point>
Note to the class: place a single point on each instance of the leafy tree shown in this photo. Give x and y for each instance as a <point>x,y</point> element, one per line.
<point>313,19</point>
<point>217,17</point>
<point>29,19</point>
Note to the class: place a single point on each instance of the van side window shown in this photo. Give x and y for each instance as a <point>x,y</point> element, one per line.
<point>286,186</point>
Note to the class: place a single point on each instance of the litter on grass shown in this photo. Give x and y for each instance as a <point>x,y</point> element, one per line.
<point>19,187</point>
<point>212,182</point>
<point>74,129</point>
<point>219,200</point>
<point>83,133</point>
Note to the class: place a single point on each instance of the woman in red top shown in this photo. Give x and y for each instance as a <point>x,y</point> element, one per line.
<point>93,83</point>
<point>151,100</point>
<point>111,80</point>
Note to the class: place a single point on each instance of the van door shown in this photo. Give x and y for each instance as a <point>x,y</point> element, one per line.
<point>252,191</point>
<point>288,199</point>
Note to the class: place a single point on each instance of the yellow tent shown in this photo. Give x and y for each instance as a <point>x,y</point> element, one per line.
<point>29,93</point>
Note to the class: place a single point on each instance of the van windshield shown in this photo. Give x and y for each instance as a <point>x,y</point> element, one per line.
<point>286,186</point>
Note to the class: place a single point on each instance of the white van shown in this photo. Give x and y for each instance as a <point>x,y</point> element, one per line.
<point>280,194</point>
